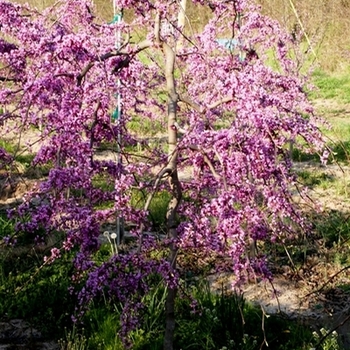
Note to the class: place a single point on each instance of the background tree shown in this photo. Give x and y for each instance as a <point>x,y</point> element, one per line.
<point>228,111</point>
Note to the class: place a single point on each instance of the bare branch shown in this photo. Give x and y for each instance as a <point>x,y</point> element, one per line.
<point>220,102</point>
<point>157,28</point>
<point>192,104</point>
<point>16,80</point>
<point>120,52</point>
<point>92,140</point>
<point>210,165</point>
<point>202,109</point>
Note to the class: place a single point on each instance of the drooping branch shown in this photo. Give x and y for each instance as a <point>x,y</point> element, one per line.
<point>157,28</point>
<point>220,102</point>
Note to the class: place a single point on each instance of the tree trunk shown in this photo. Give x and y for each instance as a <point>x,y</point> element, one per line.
<point>181,18</point>
<point>175,190</point>
<point>182,14</point>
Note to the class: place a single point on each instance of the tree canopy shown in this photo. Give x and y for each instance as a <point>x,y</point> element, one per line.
<point>229,113</point>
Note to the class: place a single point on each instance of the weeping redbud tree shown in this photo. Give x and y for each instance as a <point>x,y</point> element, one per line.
<point>228,116</point>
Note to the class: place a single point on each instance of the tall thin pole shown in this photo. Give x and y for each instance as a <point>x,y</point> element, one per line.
<point>117,115</point>
<point>302,28</point>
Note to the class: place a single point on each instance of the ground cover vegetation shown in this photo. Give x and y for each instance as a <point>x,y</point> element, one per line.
<point>222,185</point>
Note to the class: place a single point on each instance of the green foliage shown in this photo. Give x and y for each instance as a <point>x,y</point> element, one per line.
<point>220,321</point>
<point>226,321</point>
<point>39,294</point>
<point>341,151</point>
<point>144,126</point>
<point>73,340</point>
<point>299,156</point>
<point>313,178</point>
<point>35,292</point>
<point>21,157</point>
<point>6,225</point>
<point>332,231</point>
<point>102,325</point>
<point>23,162</point>
<point>339,136</point>
<point>7,146</point>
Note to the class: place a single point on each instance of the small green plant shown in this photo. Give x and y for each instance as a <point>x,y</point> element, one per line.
<point>102,326</point>
<point>326,340</point>
<point>73,340</point>
<point>6,225</point>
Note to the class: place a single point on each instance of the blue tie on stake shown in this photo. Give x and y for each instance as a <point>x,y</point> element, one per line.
<point>117,17</point>
<point>116,115</point>
<point>231,45</point>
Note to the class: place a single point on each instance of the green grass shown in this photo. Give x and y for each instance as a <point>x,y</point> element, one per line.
<point>334,228</point>
<point>220,321</point>
<point>157,209</point>
<point>6,225</point>
<point>331,99</point>
<point>144,126</point>
<point>338,137</point>
<point>331,86</point>
<point>22,161</point>
<point>313,179</point>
